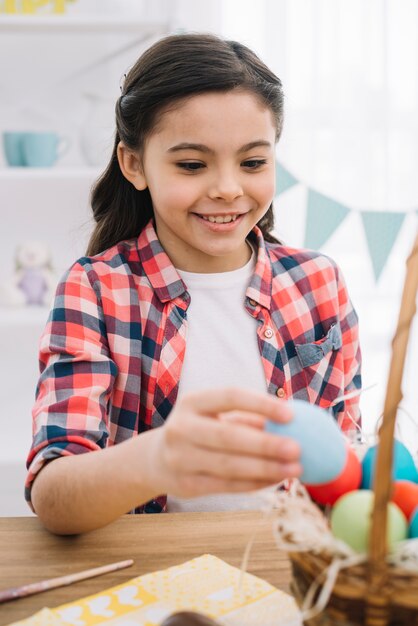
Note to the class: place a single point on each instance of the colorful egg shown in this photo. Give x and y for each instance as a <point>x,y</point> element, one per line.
<point>405,496</point>
<point>413,526</point>
<point>351,520</point>
<point>403,465</point>
<point>323,447</point>
<point>348,480</point>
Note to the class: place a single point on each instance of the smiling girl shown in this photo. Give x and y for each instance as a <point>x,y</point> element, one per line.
<point>187,324</point>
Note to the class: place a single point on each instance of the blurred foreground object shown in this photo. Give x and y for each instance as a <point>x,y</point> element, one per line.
<point>189,618</point>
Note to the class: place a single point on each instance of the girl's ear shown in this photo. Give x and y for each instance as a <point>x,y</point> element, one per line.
<point>131,167</point>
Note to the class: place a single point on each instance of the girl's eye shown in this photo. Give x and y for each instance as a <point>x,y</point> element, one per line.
<point>253,164</point>
<point>190,166</point>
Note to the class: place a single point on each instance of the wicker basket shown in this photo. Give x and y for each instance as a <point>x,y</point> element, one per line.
<point>374,593</point>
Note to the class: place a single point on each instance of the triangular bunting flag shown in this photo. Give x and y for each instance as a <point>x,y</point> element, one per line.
<point>381,230</point>
<point>323,216</point>
<point>284,179</point>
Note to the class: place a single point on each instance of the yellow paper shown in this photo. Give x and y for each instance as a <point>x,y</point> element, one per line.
<point>31,7</point>
<point>205,584</point>
<point>45,617</point>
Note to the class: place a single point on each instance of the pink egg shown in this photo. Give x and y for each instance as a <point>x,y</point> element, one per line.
<point>405,495</point>
<point>348,480</point>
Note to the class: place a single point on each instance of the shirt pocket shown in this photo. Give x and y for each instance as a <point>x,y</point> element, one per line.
<point>322,366</point>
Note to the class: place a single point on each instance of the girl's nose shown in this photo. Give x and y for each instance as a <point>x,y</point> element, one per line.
<point>226,187</point>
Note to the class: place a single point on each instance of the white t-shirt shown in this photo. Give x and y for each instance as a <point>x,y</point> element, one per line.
<point>221,343</point>
<point>221,351</point>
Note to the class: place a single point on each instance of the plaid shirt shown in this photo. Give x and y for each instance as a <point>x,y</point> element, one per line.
<point>113,347</point>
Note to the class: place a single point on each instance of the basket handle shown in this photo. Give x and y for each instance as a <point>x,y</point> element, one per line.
<point>383,472</point>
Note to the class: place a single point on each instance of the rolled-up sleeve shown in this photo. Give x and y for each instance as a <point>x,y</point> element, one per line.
<point>77,375</point>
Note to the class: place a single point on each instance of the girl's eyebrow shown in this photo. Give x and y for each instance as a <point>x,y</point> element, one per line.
<point>199,147</point>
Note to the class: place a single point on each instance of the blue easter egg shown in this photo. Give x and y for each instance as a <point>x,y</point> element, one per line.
<point>323,447</point>
<point>413,525</point>
<point>403,465</point>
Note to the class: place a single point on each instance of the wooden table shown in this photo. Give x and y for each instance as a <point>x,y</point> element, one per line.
<point>29,553</point>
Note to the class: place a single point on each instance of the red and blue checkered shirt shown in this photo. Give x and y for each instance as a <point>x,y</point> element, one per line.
<point>112,350</point>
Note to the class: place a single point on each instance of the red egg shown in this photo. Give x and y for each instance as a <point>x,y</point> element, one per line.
<point>405,495</point>
<point>348,480</point>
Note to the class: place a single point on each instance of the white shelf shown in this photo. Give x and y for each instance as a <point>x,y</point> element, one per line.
<point>48,173</point>
<point>24,316</point>
<point>80,24</point>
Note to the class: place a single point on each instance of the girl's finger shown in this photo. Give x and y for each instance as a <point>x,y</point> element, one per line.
<point>240,467</point>
<point>241,439</point>
<point>214,401</point>
<point>243,417</point>
<point>234,467</point>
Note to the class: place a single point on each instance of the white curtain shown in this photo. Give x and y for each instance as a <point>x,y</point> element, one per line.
<point>350,75</point>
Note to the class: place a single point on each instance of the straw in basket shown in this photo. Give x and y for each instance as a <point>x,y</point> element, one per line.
<point>375,592</point>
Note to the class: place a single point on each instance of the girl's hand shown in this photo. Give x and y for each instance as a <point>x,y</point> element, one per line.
<point>214,442</point>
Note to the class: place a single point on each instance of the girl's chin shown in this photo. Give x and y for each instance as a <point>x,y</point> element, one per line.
<point>217,259</point>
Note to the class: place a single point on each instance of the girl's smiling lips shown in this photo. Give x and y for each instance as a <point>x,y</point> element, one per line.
<point>220,214</point>
<point>210,220</point>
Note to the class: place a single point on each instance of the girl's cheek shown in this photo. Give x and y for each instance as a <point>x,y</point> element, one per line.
<point>264,191</point>
<point>269,183</point>
<point>270,189</point>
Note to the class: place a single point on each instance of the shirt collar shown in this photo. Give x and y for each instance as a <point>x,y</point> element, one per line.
<point>167,283</point>
<point>160,271</point>
<point>259,288</point>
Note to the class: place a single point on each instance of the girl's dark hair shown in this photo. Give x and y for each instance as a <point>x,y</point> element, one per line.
<point>176,67</point>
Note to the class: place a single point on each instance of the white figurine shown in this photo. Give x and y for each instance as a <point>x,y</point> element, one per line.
<point>33,282</point>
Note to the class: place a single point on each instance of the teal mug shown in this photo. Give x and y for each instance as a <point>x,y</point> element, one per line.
<point>33,149</point>
<point>43,149</point>
<point>13,148</point>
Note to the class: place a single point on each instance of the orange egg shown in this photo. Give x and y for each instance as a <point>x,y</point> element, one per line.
<point>405,495</point>
<point>348,480</point>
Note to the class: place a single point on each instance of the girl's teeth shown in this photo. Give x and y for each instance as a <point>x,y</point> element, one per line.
<point>220,220</point>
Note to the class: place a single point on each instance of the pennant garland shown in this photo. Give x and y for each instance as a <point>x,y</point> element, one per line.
<point>381,231</point>
<point>284,179</point>
<point>324,215</point>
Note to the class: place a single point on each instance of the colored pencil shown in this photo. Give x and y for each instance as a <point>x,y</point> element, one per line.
<point>44,585</point>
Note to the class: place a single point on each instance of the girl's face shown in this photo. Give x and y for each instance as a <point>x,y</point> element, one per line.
<point>210,169</point>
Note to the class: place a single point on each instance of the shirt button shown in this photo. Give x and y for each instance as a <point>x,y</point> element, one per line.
<point>268,333</point>
<point>280,393</point>
<point>253,302</point>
